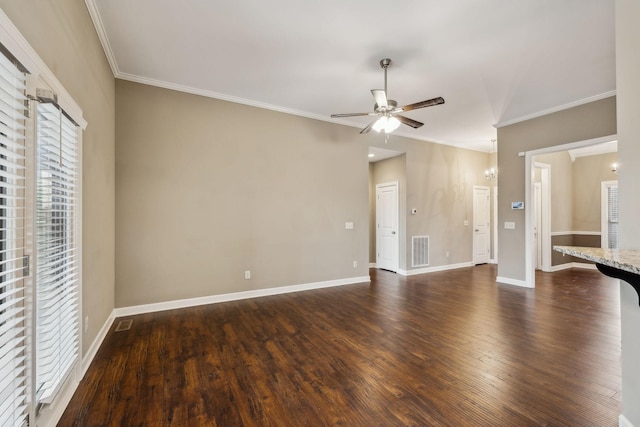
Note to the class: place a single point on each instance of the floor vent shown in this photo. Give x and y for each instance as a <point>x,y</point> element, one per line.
<point>124,325</point>
<point>419,251</point>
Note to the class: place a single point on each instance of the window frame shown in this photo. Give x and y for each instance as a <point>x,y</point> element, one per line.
<point>12,41</point>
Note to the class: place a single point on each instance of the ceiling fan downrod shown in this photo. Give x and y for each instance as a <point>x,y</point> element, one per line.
<point>384,64</point>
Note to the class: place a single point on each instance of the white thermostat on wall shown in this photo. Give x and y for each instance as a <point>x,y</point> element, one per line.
<point>517,205</point>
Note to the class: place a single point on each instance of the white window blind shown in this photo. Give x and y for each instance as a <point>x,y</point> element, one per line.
<point>57,271</point>
<point>13,351</point>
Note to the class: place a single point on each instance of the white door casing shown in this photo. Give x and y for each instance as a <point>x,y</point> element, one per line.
<point>537,222</point>
<point>481,224</point>
<point>544,231</point>
<point>387,226</point>
<point>604,212</point>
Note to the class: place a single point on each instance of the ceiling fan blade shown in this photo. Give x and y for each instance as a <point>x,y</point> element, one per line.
<point>429,103</point>
<point>407,121</point>
<point>368,128</point>
<point>351,115</point>
<point>380,97</point>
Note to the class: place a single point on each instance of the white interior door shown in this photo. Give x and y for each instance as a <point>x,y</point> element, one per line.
<point>387,226</point>
<point>537,223</point>
<point>481,227</point>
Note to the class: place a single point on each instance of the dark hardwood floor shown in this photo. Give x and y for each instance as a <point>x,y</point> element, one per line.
<point>441,349</point>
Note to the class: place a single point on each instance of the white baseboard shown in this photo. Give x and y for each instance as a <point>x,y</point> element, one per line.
<point>493,261</point>
<point>514,282</point>
<point>434,269</point>
<point>372,265</point>
<point>212,299</point>
<point>97,342</point>
<point>50,415</point>
<point>624,422</point>
<point>569,265</point>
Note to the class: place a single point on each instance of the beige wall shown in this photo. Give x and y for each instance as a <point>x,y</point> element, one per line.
<point>493,163</point>
<point>593,120</point>
<point>207,189</point>
<point>588,174</point>
<point>372,215</point>
<point>440,181</point>
<point>62,34</point>
<point>628,94</point>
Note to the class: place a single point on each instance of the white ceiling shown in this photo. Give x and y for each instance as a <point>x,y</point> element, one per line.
<point>494,61</point>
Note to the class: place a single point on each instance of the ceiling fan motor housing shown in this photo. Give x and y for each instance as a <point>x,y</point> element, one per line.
<point>391,105</point>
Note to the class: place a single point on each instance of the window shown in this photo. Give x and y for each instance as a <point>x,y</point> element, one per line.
<point>13,348</point>
<point>57,275</point>
<point>40,254</point>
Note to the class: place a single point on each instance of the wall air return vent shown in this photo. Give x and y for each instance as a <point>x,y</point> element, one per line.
<point>419,251</point>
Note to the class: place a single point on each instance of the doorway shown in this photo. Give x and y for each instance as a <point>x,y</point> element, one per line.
<point>481,224</point>
<point>387,248</point>
<point>530,165</point>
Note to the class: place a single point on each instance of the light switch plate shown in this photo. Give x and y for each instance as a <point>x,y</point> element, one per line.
<point>348,225</point>
<point>510,225</point>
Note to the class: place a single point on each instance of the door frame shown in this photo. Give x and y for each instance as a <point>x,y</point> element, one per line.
<point>604,212</point>
<point>473,223</point>
<point>396,206</point>
<point>495,225</point>
<point>544,234</point>
<point>537,209</point>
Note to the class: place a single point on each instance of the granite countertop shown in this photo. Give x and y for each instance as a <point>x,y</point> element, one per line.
<point>622,259</point>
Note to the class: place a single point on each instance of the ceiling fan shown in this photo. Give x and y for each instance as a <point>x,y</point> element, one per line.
<point>387,109</point>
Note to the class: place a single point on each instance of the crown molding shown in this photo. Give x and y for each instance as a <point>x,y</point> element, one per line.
<point>102,35</point>
<point>556,109</point>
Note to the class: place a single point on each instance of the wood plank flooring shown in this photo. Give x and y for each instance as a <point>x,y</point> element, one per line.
<point>441,349</point>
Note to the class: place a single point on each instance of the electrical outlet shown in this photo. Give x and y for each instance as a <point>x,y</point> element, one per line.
<point>447,254</point>
<point>247,274</point>
<point>86,324</point>
<point>355,264</point>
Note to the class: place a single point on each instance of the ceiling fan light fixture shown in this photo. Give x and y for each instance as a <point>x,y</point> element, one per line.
<point>392,124</point>
<point>380,124</point>
<point>386,123</point>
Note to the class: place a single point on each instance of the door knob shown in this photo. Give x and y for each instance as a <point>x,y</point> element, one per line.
<point>393,232</point>
<point>477,230</point>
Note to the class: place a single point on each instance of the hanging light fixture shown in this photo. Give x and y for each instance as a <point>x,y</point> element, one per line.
<point>492,173</point>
